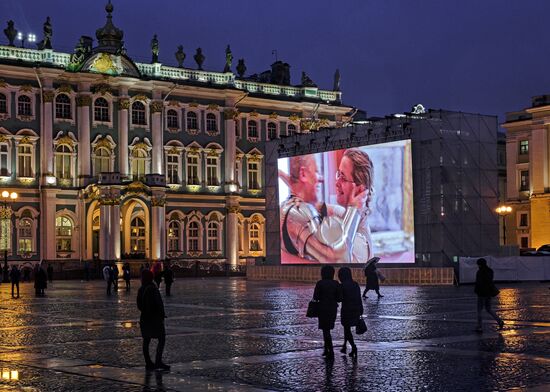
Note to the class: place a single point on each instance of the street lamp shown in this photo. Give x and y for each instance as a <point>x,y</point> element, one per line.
<point>504,210</point>
<point>30,37</point>
<point>5,228</point>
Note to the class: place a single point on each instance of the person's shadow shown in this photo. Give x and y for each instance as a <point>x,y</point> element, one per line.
<point>149,387</point>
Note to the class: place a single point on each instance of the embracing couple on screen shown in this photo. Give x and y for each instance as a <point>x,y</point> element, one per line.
<point>312,231</point>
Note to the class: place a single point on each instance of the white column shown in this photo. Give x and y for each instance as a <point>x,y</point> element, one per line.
<point>47,133</point>
<point>158,228</point>
<point>230,150</point>
<point>109,225</point>
<point>84,101</point>
<point>123,106</point>
<point>538,156</point>
<point>115,236</point>
<point>232,231</point>
<point>47,234</point>
<point>156,130</point>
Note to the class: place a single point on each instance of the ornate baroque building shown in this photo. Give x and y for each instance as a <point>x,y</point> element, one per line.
<point>528,174</point>
<point>114,159</point>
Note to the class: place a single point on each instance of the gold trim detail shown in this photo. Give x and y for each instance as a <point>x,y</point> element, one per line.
<point>83,100</point>
<point>193,104</point>
<point>234,209</point>
<point>109,201</point>
<point>3,139</point>
<point>3,83</point>
<point>230,114</point>
<point>156,107</point>
<point>273,116</point>
<point>66,140</point>
<point>25,88</point>
<point>48,95</point>
<point>212,106</point>
<point>140,97</point>
<point>158,201</point>
<point>294,117</point>
<point>5,212</point>
<point>25,140</point>
<point>253,114</point>
<point>124,103</point>
<point>65,88</point>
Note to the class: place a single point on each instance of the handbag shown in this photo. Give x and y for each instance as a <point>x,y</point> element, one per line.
<point>313,309</point>
<point>361,326</point>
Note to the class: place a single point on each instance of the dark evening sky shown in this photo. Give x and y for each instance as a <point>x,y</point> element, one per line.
<point>482,56</point>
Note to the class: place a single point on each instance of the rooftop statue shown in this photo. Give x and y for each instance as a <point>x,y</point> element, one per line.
<point>306,81</point>
<point>46,42</point>
<point>228,59</point>
<point>10,32</point>
<point>199,58</point>
<point>180,56</point>
<point>336,86</point>
<point>241,68</point>
<point>81,50</point>
<point>155,49</point>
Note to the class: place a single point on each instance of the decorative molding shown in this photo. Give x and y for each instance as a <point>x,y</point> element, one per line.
<point>65,88</point>
<point>212,106</point>
<point>3,83</point>
<point>234,209</point>
<point>230,114</point>
<point>273,116</point>
<point>253,114</point>
<point>26,88</point>
<point>4,139</point>
<point>156,107</point>
<point>158,201</point>
<point>294,117</point>
<point>25,140</point>
<point>140,97</point>
<point>109,201</point>
<point>124,103</point>
<point>102,89</point>
<point>84,100</point>
<point>5,212</point>
<point>66,140</point>
<point>137,187</point>
<point>193,105</point>
<point>48,95</point>
<point>174,103</point>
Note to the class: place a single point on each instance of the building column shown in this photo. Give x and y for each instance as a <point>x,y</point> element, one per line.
<point>230,151</point>
<point>156,130</point>
<point>232,231</point>
<point>123,107</point>
<point>512,189</point>
<point>47,231</point>
<point>538,156</point>
<point>158,226</point>
<point>84,102</point>
<point>109,224</point>
<point>47,133</point>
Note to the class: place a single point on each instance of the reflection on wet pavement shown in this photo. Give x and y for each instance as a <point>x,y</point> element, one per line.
<point>235,335</point>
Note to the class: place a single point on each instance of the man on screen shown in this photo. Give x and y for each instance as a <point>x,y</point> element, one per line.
<point>306,229</point>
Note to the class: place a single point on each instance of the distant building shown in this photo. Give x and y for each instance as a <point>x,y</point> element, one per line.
<point>114,159</point>
<point>528,172</point>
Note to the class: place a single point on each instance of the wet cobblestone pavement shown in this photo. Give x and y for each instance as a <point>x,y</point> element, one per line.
<point>236,335</point>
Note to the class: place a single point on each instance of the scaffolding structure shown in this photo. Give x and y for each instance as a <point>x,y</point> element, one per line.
<point>455,179</point>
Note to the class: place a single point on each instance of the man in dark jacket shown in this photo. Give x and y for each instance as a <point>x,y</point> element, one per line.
<point>485,289</point>
<point>168,277</point>
<point>151,321</point>
<point>15,276</point>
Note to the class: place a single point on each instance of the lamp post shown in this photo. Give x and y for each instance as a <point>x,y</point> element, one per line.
<point>503,210</point>
<point>5,216</point>
<point>29,37</point>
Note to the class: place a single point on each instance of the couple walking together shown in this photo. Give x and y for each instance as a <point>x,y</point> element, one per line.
<point>328,293</point>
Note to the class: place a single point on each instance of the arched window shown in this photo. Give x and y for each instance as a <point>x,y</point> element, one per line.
<point>139,164</point>
<point>271,131</point>
<point>137,235</point>
<point>24,160</point>
<point>193,237</point>
<point>24,244</point>
<point>63,156</point>
<point>3,103</point>
<point>62,106</point>
<point>254,237</point>
<point>24,106</point>
<point>172,168</point>
<point>291,129</point>
<point>213,237</point>
<point>211,123</point>
<point>172,119</point>
<point>138,113</point>
<point>174,237</point>
<point>63,234</point>
<point>102,161</point>
<point>192,121</point>
<point>101,110</point>
<point>4,159</point>
<point>253,175</point>
<point>252,130</point>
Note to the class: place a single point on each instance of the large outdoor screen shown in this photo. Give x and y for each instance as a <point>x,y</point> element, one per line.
<point>346,206</point>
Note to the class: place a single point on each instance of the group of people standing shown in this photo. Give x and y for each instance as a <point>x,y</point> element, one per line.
<point>41,277</point>
<point>160,272</point>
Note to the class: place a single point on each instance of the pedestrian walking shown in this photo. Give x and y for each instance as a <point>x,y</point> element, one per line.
<point>15,276</point>
<point>168,278</point>
<point>151,321</point>
<point>485,289</point>
<point>50,273</point>
<point>107,276</point>
<point>372,277</point>
<point>126,275</point>
<point>40,281</point>
<point>352,308</point>
<point>157,273</point>
<point>115,272</point>
<point>328,293</point>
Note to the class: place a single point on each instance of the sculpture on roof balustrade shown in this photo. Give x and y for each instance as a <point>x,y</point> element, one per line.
<point>241,68</point>
<point>199,58</point>
<point>180,56</point>
<point>11,32</point>
<point>155,49</point>
<point>228,59</point>
<point>46,42</point>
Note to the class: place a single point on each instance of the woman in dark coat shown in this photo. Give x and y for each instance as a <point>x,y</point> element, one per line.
<point>151,321</point>
<point>485,289</point>
<point>352,308</point>
<point>40,281</point>
<point>327,292</point>
<point>371,276</point>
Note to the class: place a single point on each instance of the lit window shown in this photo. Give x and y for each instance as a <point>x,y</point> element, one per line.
<point>25,236</point>
<point>63,106</point>
<point>254,236</point>
<point>271,131</point>
<point>193,237</point>
<point>212,234</point>
<point>524,180</point>
<point>211,123</point>
<point>252,130</point>
<point>192,120</point>
<point>174,237</point>
<point>524,147</point>
<point>24,106</point>
<point>139,164</point>
<point>3,104</point>
<point>212,171</point>
<point>253,175</point>
<point>193,170</point>
<point>138,113</point>
<point>172,119</point>
<point>172,168</point>
<point>102,161</point>
<point>24,160</point>
<point>63,234</point>
<point>137,235</point>
<point>291,129</point>
<point>4,159</point>
<point>63,157</point>
<point>101,110</point>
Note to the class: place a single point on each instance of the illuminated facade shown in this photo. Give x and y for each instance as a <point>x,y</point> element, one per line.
<point>528,174</point>
<point>114,159</point>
